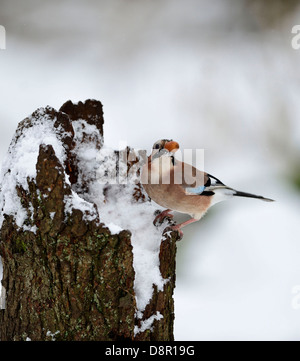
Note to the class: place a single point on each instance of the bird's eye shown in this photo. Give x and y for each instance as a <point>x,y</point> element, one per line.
<point>156,146</point>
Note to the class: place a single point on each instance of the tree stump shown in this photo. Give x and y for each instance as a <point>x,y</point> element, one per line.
<point>66,274</point>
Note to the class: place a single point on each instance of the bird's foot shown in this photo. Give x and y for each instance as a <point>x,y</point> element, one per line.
<point>177,229</point>
<point>162,216</point>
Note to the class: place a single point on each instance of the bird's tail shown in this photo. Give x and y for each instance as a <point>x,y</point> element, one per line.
<point>223,192</point>
<point>249,195</point>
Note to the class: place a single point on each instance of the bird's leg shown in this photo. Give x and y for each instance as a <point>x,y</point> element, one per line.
<point>161,216</point>
<point>183,224</point>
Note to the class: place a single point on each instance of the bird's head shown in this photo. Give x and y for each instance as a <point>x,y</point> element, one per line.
<point>164,146</point>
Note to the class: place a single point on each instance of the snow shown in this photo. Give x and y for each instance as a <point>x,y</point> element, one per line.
<point>32,229</point>
<point>52,335</point>
<point>74,201</point>
<point>87,137</point>
<point>97,170</point>
<point>147,324</point>
<point>20,162</point>
<point>120,211</point>
<point>114,228</point>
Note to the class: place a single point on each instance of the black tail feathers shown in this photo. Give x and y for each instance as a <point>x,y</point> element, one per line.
<point>249,195</point>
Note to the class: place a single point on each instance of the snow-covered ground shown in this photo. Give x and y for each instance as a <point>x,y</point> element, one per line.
<point>210,79</point>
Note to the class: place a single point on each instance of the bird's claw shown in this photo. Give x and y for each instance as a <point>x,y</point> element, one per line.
<point>161,217</point>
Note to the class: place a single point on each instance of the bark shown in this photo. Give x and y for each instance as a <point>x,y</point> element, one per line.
<point>72,279</point>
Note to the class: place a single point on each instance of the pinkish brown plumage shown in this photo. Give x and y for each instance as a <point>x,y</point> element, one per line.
<point>181,187</point>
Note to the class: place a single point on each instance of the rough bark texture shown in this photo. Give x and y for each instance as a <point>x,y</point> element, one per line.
<point>73,279</point>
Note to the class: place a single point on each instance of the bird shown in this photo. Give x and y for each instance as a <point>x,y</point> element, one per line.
<point>178,186</point>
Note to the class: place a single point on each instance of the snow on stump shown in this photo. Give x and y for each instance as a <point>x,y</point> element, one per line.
<point>81,257</point>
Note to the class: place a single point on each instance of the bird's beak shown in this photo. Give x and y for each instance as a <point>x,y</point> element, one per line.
<point>172,146</point>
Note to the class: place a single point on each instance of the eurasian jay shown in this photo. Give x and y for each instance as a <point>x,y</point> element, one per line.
<point>180,187</point>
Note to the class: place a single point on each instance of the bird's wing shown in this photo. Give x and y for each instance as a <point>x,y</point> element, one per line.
<point>194,181</point>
